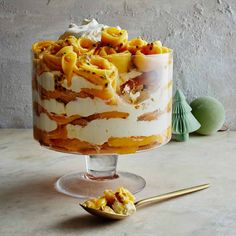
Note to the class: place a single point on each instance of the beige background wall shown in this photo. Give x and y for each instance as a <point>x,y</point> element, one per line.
<point>202,34</point>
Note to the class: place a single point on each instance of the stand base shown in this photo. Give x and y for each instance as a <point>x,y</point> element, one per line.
<point>78,185</point>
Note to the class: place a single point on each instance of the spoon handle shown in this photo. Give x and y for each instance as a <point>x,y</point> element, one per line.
<point>170,195</point>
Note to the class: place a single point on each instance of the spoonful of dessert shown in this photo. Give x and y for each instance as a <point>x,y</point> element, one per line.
<point>120,205</point>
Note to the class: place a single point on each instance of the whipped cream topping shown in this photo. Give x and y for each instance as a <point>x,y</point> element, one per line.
<point>89,28</point>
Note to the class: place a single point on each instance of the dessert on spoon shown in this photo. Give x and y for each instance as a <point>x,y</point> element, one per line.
<point>120,205</point>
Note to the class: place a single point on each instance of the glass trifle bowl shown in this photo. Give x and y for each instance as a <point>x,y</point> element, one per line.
<point>101,99</point>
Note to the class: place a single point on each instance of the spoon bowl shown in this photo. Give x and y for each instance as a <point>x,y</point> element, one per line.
<point>155,199</point>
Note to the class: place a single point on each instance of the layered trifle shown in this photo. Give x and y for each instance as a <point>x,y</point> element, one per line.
<point>96,91</point>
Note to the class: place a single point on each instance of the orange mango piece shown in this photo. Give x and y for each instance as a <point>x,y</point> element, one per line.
<point>52,61</point>
<point>134,141</point>
<point>114,37</point>
<point>136,44</point>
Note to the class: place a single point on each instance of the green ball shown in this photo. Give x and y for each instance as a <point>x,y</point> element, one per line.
<point>210,114</point>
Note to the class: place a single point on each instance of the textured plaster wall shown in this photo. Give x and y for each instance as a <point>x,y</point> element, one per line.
<point>201,32</point>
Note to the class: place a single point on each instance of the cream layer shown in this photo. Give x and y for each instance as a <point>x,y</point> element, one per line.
<point>44,123</point>
<point>47,81</point>
<point>99,131</point>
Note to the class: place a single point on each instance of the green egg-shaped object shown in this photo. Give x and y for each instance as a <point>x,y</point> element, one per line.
<point>210,114</point>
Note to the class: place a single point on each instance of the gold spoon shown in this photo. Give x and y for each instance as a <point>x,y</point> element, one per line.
<point>145,201</point>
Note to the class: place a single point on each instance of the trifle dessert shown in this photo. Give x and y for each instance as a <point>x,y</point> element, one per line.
<point>95,91</point>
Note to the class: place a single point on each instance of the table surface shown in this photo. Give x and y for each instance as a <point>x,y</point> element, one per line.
<point>29,204</point>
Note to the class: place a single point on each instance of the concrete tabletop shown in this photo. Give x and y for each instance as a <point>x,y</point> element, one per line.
<point>29,204</point>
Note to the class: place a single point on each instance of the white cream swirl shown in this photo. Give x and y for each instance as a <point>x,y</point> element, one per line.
<point>89,28</point>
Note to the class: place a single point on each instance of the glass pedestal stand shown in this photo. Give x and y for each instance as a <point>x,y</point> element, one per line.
<point>100,174</point>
